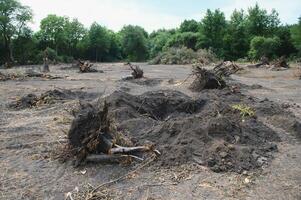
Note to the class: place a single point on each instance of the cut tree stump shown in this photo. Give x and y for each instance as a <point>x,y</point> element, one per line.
<point>46,62</point>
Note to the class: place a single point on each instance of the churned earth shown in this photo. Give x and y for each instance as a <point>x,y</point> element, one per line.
<point>208,150</point>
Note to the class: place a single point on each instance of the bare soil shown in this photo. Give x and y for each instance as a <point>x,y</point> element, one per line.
<point>31,137</point>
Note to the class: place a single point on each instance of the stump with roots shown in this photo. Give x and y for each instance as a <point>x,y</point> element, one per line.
<point>206,79</point>
<point>225,69</point>
<point>137,71</point>
<point>280,63</point>
<point>86,67</point>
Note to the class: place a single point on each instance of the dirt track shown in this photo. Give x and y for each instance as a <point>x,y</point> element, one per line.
<point>28,138</point>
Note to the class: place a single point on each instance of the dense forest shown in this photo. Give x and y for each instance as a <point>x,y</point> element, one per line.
<point>247,35</point>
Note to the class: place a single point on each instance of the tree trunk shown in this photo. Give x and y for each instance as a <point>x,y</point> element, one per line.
<point>8,50</point>
<point>96,55</point>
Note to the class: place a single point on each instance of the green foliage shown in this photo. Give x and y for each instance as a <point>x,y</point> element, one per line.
<point>183,55</point>
<point>236,44</point>
<point>187,39</point>
<point>260,23</point>
<point>24,47</point>
<point>189,26</point>
<point>213,30</point>
<point>253,33</point>
<point>13,18</point>
<point>134,43</point>
<point>157,42</point>
<point>296,36</point>
<point>52,32</point>
<point>245,111</point>
<point>261,46</point>
<point>99,41</point>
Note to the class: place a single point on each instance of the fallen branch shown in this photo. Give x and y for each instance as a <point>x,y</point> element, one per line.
<point>119,149</point>
<point>104,158</point>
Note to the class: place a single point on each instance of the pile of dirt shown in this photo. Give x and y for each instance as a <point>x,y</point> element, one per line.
<point>49,97</point>
<point>27,74</point>
<point>206,130</point>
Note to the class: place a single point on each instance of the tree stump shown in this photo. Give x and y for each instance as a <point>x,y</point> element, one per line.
<point>46,62</point>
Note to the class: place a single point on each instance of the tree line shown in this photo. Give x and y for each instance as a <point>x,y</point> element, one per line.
<point>246,35</point>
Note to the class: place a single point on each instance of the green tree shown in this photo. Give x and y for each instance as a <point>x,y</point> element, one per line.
<point>52,32</point>
<point>157,41</point>
<point>99,41</point>
<point>296,36</point>
<point>261,46</point>
<point>286,47</point>
<point>213,30</point>
<point>74,32</point>
<point>13,17</point>
<point>134,42</point>
<point>189,26</point>
<point>260,23</point>
<point>25,47</point>
<point>236,40</point>
<point>186,39</point>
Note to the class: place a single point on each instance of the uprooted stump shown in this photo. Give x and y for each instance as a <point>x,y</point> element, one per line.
<point>86,67</point>
<point>280,63</point>
<point>94,139</point>
<point>137,71</point>
<point>225,69</point>
<point>206,79</point>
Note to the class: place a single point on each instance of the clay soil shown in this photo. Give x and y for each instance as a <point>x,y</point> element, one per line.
<point>209,151</point>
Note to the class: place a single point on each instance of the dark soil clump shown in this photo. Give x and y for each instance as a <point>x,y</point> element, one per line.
<point>49,97</point>
<point>206,130</point>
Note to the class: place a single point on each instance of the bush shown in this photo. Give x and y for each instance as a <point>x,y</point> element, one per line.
<point>261,46</point>
<point>52,56</point>
<point>183,55</point>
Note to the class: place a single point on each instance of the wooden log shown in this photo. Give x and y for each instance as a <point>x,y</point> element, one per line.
<point>127,150</point>
<point>104,158</point>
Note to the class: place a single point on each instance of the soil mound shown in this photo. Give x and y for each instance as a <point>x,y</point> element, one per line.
<point>206,130</point>
<point>143,81</point>
<point>49,97</point>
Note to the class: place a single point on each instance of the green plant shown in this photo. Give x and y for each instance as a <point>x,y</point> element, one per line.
<point>245,111</point>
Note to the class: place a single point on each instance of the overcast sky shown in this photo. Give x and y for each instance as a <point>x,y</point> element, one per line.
<point>151,14</point>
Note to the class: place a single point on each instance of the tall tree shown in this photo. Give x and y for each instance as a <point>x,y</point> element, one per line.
<point>13,17</point>
<point>53,31</point>
<point>189,26</point>
<point>296,36</point>
<point>74,32</point>
<point>213,28</point>
<point>25,47</point>
<point>134,43</point>
<point>236,39</point>
<point>99,41</point>
<point>260,23</point>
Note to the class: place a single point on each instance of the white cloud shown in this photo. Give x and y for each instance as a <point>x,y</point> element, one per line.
<point>112,13</point>
<point>116,13</point>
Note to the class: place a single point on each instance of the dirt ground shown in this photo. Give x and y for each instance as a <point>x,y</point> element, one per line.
<point>30,137</point>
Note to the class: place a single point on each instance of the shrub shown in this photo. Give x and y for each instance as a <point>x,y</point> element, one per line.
<point>261,46</point>
<point>184,55</point>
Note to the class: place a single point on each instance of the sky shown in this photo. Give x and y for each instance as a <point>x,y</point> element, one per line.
<point>151,14</point>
